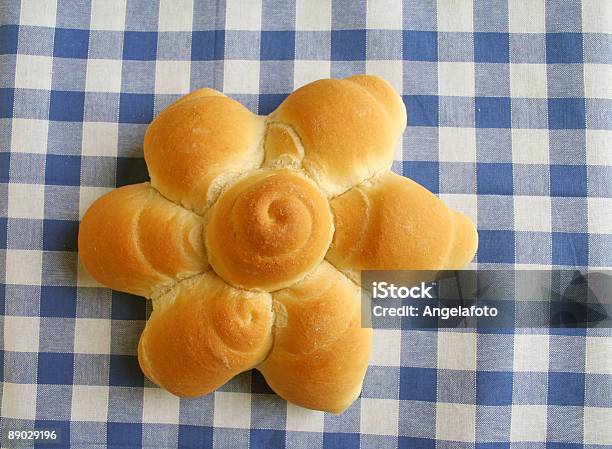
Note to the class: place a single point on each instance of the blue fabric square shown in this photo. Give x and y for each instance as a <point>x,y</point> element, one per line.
<point>568,180</point>
<point>491,47</point>
<point>66,106</point>
<point>58,301</point>
<point>195,436</point>
<point>570,249</point>
<point>493,388</point>
<point>3,229</point>
<point>420,46</point>
<point>63,430</point>
<point>7,97</point>
<point>60,235</point>
<point>120,434</point>
<point>335,440</point>
<point>494,178</point>
<point>4,166</point>
<point>423,110</point>
<point>63,170</point>
<point>493,112</point>
<point>55,368</point>
<point>348,45</point>
<point>131,170</point>
<point>495,246</point>
<point>70,43</point>
<point>136,108</point>
<point>278,45</point>
<point>140,45</point>
<point>8,39</point>
<point>127,307</point>
<point>266,438</point>
<point>207,45</point>
<point>415,443</point>
<point>563,48</point>
<point>125,371</point>
<point>566,113</point>
<point>565,388</point>
<point>269,102</point>
<point>418,384</point>
<point>425,173</point>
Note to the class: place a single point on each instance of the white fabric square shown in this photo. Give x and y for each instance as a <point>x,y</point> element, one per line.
<point>312,18</point>
<point>457,350</point>
<point>530,353</point>
<point>456,144</point>
<point>303,420</point>
<point>160,407</point>
<point>33,72</point>
<point>92,336</point>
<point>598,144</point>
<point>528,423</point>
<point>100,139</point>
<point>175,15</point>
<point>596,16</point>
<point>18,401</point>
<point>23,266</point>
<point>38,12</point>
<point>456,79</point>
<point>600,216</point>
<point>532,213</point>
<point>26,200</point>
<point>241,77</point>
<point>172,77</point>
<point>103,75</point>
<point>530,146</point>
<point>21,333</point>
<point>526,16</point>
<point>108,15</point>
<point>455,15</point>
<point>597,425</point>
<point>455,422</point>
<point>379,416</point>
<point>87,195</point>
<point>465,203</point>
<point>232,410</point>
<point>29,135</point>
<point>528,81</point>
<point>240,15</point>
<point>89,403</point>
<point>305,72</point>
<point>391,70</point>
<point>598,355</point>
<point>384,15</point>
<point>597,78</point>
<point>386,347</point>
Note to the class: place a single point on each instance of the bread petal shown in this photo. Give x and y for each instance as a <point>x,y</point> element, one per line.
<point>134,240</point>
<point>202,333</point>
<point>393,223</point>
<point>347,128</point>
<point>321,352</point>
<point>199,144</point>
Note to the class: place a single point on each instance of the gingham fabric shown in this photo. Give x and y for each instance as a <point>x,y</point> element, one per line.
<point>510,121</point>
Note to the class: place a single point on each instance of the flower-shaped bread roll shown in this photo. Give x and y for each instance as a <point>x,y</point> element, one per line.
<point>250,237</point>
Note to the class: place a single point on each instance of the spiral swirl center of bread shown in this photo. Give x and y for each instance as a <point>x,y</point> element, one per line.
<point>269,230</point>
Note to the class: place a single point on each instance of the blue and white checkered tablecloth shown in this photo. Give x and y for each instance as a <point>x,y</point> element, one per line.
<point>510,121</point>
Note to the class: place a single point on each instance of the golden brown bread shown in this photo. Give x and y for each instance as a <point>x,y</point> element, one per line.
<point>420,232</point>
<point>277,211</point>
<point>269,230</point>
<point>321,352</point>
<point>134,240</point>
<point>203,333</point>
